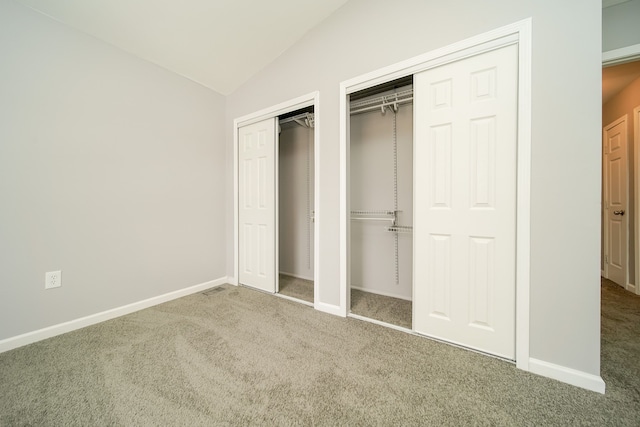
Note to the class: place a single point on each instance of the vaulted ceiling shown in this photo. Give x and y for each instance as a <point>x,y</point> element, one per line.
<point>217,43</point>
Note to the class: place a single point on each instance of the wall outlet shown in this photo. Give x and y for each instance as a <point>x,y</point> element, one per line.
<point>53,279</point>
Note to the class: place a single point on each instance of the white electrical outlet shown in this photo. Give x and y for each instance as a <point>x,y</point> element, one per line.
<point>53,279</point>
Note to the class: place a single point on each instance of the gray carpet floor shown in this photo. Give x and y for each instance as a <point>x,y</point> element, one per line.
<point>296,288</point>
<point>242,357</point>
<point>379,307</point>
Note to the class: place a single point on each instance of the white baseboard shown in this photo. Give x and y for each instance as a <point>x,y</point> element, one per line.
<point>567,375</point>
<point>232,280</point>
<point>62,328</point>
<point>297,276</point>
<point>328,308</point>
<point>386,294</point>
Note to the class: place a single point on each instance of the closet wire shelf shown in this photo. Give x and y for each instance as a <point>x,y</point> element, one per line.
<point>374,215</point>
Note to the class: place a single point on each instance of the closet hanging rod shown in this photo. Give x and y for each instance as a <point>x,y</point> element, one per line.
<point>395,98</point>
<point>381,106</point>
<point>304,119</point>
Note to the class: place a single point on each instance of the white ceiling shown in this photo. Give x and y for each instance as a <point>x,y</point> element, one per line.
<point>217,43</point>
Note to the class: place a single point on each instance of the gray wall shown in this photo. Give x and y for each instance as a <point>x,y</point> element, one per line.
<point>111,169</point>
<point>621,25</point>
<point>565,214</point>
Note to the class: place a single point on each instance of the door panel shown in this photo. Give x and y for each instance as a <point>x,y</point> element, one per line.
<point>465,201</point>
<point>616,173</point>
<point>257,205</point>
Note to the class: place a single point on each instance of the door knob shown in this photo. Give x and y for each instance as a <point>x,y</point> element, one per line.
<point>620,212</point>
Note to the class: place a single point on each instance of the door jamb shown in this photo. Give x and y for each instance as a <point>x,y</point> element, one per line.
<point>310,99</point>
<point>518,32</point>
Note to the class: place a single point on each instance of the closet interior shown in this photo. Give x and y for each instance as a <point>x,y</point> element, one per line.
<point>381,202</point>
<point>296,205</point>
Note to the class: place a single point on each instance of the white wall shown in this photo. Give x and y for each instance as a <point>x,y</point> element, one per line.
<point>295,202</point>
<point>111,169</point>
<point>621,25</point>
<point>365,35</point>
<point>372,248</point>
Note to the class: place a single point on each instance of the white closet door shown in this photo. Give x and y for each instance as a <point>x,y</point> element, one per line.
<point>257,210</point>
<point>465,202</point>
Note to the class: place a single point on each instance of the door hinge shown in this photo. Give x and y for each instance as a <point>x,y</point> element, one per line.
<point>606,259</point>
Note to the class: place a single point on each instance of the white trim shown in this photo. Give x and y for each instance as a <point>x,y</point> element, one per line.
<point>72,325</point>
<point>327,308</point>
<point>636,198</point>
<point>567,375</point>
<point>620,56</point>
<point>310,99</point>
<point>631,288</point>
<point>521,33</point>
<point>385,294</point>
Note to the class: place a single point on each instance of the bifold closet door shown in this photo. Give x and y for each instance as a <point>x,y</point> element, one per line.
<point>465,201</point>
<point>257,211</point>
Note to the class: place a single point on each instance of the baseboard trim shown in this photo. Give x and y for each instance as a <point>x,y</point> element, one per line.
<point>385,294</point>
<point>72,325</point>
<point>567,375</point>
<point>328,308</point>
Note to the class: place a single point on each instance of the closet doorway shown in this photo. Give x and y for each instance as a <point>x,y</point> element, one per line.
<point>381,199</point>
<point>466,189</point>
<point>276,191</point>
<point>296,205</point>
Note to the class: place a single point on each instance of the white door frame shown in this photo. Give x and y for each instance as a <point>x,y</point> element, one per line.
<point>519,32</point>
<point>611,58</point>
<point>605,186</point>
<point>308,100</point>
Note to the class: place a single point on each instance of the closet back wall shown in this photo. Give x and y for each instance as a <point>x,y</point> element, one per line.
<point>372,182</point>
<point>295,205</point>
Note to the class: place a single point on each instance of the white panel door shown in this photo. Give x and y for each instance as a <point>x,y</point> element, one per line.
<point>257,210</point>
<point>615,183</point>
<point>465,201</point>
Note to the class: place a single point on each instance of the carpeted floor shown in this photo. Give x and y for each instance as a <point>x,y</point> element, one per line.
<point>296,288</point>
<point>386,309</point>
<point>242,357</point>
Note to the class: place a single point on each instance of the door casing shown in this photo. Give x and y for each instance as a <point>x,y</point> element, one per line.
<point>308,100</point>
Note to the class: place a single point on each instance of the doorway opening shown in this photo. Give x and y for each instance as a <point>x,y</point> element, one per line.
<point>296,205</point>
<point>620,189</point>
<point>381,199</point>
